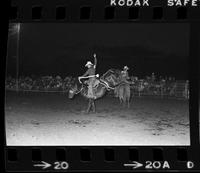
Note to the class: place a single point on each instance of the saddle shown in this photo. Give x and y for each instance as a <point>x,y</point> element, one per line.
<point>95,85</point>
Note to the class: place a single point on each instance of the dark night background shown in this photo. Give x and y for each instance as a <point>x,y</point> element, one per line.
<point>63,49</point>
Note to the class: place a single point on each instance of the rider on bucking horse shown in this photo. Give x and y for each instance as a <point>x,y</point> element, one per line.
<point>90,73</point>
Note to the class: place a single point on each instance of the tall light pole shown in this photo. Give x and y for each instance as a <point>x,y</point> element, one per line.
<point>15,30</point>
<point>17,26</point>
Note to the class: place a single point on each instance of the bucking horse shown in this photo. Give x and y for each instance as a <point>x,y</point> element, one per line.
<point>108,81</point>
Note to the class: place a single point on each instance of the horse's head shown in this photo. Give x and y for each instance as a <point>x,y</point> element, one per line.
<point>73,88</point>
<point>112,77</point>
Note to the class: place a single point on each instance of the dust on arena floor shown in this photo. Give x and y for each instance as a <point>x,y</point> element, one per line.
<point>53,119</point>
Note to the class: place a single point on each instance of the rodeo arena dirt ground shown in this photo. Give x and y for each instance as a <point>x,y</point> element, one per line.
<point>34,118</point>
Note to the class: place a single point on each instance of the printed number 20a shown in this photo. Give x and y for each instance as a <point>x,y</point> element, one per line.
<point>61,165</point>
<point>157,165</point>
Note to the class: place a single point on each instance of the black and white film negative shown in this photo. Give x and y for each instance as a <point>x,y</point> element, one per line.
<point>111,85</point>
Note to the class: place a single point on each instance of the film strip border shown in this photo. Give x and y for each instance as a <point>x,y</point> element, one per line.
<point>99,11</point>
<point>101,158</point>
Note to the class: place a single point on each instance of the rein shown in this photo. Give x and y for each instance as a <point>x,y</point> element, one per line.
<point>79,90</point>
<point>106,84</point>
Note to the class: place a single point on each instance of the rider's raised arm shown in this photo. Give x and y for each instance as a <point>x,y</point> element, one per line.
<point>95,61</point>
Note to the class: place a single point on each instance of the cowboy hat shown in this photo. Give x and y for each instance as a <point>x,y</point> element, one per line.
<point>126,67</point>
<point>88,63</point>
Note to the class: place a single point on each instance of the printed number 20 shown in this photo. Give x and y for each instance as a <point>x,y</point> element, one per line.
<point>61,165</point>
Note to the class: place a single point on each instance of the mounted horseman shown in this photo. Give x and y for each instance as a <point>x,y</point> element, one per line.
<point>124,77</point>
<point>123,90</point>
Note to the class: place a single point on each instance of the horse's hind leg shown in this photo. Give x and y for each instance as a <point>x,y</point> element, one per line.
<point>93,106</point>
<point>120,101</point>
<point>128,102</point>
<point>89,106</point>
<point>124,104</point>
<point>128,96</point>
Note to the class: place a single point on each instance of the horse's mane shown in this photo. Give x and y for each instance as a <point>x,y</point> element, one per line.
<point>114,70</point>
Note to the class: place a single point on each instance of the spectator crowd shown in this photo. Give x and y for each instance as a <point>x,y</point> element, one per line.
<point>44,83</point>
<point>149,85</point>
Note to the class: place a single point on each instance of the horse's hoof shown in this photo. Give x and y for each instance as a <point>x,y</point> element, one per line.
<point>84,112</point>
